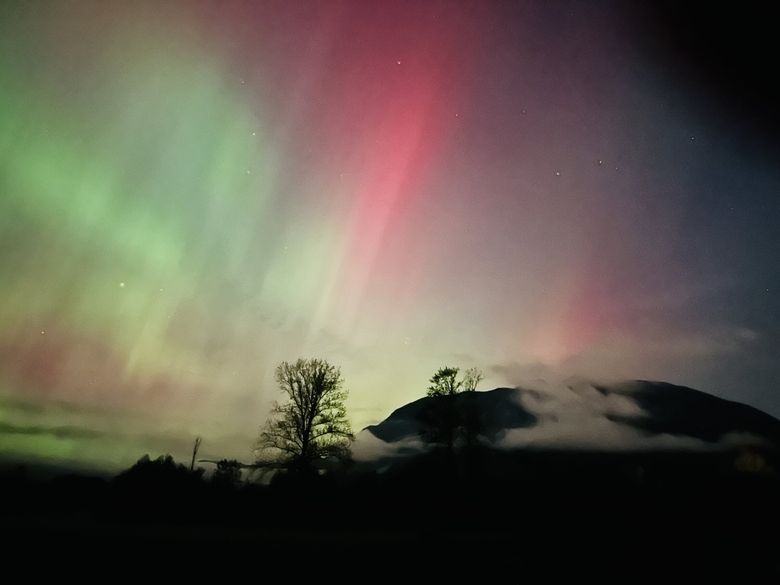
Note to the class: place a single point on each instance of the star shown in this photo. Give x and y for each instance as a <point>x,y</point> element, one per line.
<point>397,62</point>
<point>121,285</point>
<point>557,173</point>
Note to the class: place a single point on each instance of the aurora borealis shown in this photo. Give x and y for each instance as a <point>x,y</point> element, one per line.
<point>192,192</point>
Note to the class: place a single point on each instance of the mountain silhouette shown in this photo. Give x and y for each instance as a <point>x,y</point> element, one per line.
<point>680,410</point>
<point>640,410</point>
<point>498,410</point>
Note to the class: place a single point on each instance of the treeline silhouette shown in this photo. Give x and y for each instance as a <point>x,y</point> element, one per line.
<point>633,508</point>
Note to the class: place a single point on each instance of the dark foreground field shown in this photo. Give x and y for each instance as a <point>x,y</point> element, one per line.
<point>640,515</point>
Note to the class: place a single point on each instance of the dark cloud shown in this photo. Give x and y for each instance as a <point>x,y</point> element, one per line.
<point>21,405</point>
<point>60,432</point>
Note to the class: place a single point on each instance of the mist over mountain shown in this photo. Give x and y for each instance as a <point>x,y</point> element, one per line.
<point>629,416</point>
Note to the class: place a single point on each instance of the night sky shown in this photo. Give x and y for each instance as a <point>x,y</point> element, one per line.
<point>191,193</point>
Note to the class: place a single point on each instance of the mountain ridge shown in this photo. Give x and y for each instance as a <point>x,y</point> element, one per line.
<point>658,413</point>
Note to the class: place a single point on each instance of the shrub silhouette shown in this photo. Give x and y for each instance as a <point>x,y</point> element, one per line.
<point>157,487</point>
<point>227,473</point>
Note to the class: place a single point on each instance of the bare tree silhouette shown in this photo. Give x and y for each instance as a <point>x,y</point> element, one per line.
<point>445,381</point>
<point>471,378</point>
<point>312,424</point>
<point>448,418</point>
